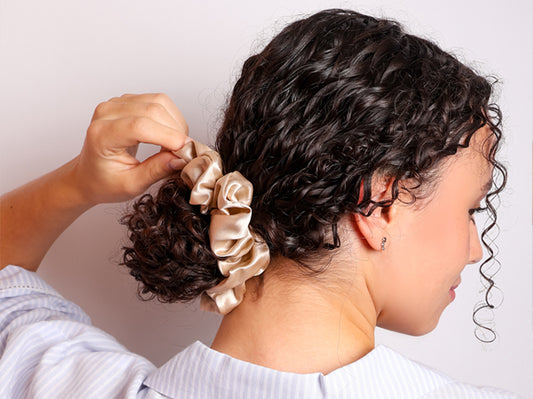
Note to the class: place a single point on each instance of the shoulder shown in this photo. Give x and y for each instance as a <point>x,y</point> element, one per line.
<point>200,372</point>
<point>459,390</point>
<point>47,344</point>
<point>427,383</point>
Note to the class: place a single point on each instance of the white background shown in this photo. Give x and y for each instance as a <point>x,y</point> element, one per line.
<point>60,58</point>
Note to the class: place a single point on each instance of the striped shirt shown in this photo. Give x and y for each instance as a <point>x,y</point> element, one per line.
<point>49,349</point>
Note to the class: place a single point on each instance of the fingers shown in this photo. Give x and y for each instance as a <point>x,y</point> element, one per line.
<point>131,119</point>
<point>110,137</point>
<point>153,169</point>
<point>107,166</point>
<point>157,99</point>
<point>111,110</point>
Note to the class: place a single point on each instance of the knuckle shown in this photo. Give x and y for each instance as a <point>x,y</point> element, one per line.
<point>100,110</point>
<point>152,172</point>
<point>154,110</point>
<point>138,124</point>
<point>95,128</point>
<point>161,98</point>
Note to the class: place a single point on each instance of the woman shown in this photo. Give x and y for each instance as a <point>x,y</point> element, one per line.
<point>350,162</point>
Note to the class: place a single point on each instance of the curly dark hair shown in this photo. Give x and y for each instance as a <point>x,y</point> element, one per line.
<point>332,101</point>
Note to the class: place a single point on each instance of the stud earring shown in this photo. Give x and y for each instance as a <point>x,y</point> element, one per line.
<point>383,241</point>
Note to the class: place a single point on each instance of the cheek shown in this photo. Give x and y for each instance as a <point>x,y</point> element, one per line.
<point>443,236</point>
<point>427,258</point>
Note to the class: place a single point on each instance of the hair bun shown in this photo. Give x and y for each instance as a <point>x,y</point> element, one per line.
<point>170,254</point>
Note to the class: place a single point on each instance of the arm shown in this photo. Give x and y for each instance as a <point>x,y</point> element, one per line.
<point>34,215</point>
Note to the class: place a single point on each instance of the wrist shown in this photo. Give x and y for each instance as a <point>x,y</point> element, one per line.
<point>34,215</point>
<point>70,189</point>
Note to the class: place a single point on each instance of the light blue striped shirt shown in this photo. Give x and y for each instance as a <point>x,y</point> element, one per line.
<point>49,349</point>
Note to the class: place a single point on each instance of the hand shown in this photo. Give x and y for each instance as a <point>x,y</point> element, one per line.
<point>34,215</point>
<point>107,170</point>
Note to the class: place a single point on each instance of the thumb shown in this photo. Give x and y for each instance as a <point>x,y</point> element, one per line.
<point>155,168</point>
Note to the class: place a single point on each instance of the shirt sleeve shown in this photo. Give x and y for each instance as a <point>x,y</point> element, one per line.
<point>49,349</point>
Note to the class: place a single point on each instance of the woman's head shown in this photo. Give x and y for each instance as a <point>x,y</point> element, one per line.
<point>334,102</point>
<point>330,103</point>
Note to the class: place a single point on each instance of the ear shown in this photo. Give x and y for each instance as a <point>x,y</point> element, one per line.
<point>372,228</point>
<point>375,228</point>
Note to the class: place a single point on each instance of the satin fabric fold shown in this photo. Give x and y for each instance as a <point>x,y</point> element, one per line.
<point>241,253</point>
<point>201,173</point>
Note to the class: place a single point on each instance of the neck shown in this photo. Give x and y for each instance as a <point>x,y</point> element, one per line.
<point>299,324</point>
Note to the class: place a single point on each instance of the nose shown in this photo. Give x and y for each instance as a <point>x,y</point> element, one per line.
<point>476,252</point>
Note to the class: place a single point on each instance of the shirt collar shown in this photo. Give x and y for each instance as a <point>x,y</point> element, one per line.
<point>200,371</point>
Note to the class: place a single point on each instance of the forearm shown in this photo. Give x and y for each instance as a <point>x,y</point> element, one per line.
<point>34,215</point>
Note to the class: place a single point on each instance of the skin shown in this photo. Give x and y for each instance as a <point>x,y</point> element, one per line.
<point>430,247</point>
<point>287,321</point>
<point>308,325</point>
<point>106,170</point>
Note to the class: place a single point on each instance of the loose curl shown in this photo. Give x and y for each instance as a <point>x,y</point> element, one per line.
<point>170,256</point>
<point>333,101</point>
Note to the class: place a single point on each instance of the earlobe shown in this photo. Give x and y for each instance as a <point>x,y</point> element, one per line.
<point>375,227</point>
<point>372,228</point>
<point>383,242</point>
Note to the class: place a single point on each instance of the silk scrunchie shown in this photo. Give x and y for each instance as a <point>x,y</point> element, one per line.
<point>242,253</point>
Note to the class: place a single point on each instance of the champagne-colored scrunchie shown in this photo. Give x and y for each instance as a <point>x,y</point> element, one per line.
<point>243,253</point>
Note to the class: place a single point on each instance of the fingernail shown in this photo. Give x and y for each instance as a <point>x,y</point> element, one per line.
<point>175,164</point>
